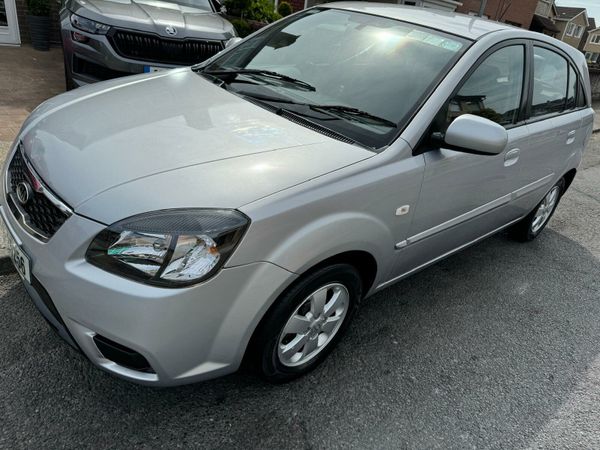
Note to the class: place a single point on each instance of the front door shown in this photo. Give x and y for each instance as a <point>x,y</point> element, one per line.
<point>9,27</point>
<point>466,196</point>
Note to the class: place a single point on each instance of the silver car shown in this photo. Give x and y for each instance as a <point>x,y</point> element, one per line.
<point>174,225</point>
<point>106,39</point>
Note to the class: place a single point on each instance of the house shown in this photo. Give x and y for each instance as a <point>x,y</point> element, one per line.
<point>446,5</point>
<point>514,12</point>
<point>13,22</point>
<point>544,17</point>
<point>572,23</point>
<point>590,43</point>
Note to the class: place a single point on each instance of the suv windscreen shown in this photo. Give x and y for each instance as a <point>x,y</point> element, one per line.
<point>359,75</point>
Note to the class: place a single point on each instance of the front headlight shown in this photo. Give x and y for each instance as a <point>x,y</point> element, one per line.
<point>170,248</point>
<point>88,25</point>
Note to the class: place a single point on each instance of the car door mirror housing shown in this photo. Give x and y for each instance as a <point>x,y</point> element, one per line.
<point>474,134</point>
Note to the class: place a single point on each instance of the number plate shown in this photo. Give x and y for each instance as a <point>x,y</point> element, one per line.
<point>18,256</point>
<point>151,69</point>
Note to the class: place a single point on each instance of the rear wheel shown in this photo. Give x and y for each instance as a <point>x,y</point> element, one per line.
<point>307,322</point>
<point>533,224</point>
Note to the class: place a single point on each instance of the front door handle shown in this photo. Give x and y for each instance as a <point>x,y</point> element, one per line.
<point>571,137</point>
<point>511,157</point>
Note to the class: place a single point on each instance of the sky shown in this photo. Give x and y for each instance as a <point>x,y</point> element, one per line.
<point>593,6</point>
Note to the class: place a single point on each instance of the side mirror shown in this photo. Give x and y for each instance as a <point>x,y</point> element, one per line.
<point>474,134</point>
<point>223,9</point>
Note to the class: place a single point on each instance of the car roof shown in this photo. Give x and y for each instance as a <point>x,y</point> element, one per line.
<point>469,27</point>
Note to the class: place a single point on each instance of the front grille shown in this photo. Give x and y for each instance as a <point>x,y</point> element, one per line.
<point>153,48</point>
<point>40,214</point>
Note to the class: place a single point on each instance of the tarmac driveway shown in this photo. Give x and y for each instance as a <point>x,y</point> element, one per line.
<point>497,347</point>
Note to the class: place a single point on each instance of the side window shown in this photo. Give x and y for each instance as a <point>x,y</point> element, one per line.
<point>572,92</point>
<point>494,89</point>
<point>549,82</point>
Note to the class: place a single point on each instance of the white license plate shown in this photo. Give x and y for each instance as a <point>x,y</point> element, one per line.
<point>18,256</point>
<point>151,69</point>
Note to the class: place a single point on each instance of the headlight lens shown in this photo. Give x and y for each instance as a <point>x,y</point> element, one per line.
<point>91,26</point>
<point>171,248</point>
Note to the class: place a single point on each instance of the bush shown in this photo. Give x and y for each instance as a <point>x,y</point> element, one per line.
<point>262,10</point>
<point>284,9</point>
<point>242,27</point>
<point>259,10</point>
<point>38,7</point>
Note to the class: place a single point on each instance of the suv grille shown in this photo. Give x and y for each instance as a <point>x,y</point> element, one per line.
<point>39,214</point>
<point>153,48</point>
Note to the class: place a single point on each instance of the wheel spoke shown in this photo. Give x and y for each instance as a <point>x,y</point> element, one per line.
<point>294,346</point>
<point>310,346</point>
<point>317,302</point>
<point>330,324</point>
<point>297,325</point>
<point>335,302</point>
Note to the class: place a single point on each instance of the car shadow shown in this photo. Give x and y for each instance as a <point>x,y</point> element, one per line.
<point>481,349</point>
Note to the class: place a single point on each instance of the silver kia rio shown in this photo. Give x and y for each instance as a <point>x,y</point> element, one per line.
<point>172,226</point>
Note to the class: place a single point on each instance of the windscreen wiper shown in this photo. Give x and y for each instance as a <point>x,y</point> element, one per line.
<point>263,72</point>
<point>346,112</point>
<point>353,113</point>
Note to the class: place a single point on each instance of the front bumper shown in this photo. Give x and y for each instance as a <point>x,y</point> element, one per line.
<point>186,335</point>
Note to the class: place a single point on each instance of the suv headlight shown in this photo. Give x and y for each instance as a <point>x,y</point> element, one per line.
<point>88,25</point>
<point>170,248</point>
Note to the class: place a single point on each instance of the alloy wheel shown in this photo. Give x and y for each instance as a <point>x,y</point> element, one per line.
<point>545,209</point>
<point>313,325</point>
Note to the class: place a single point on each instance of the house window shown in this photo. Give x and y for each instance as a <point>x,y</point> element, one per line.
<point>595,39</point>
<point>570,29</point>
<point>594,58</point>
<point>578,31</point>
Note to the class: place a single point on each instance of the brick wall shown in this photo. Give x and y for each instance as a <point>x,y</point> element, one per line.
<point>297,5</point>
<point>516,12</point>
<point>24,26</point>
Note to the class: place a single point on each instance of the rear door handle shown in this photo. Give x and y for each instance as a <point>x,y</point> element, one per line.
<point>511,157</point>
<point>571,137</point>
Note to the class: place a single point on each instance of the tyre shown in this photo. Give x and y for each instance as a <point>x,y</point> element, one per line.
<point>533,224</point>
<point>306,323</point>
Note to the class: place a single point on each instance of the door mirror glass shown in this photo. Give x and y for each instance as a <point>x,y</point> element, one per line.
<point>474,134</point>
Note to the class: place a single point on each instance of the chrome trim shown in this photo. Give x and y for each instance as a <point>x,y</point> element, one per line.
<point>455,250</point>
<point>505,199</point>
<point>21,219</point>
<point>459,219</point>
<point>39,187</point>
<point>532,186</point>
<point>42,188</point>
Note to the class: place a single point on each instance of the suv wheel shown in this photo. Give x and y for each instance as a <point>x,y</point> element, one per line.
<point>533,224</point>
<point>307,322</point>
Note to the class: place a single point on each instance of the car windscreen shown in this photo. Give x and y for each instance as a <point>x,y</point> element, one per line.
<point>357,74</point>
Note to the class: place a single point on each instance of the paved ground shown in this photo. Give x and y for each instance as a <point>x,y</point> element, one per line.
<point>498,347</point>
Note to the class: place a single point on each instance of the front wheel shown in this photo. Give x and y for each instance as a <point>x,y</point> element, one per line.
<point>307,322</point>
<point>533,224</point>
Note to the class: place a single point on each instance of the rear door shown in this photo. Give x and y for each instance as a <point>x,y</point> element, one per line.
<point>554,124</point>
